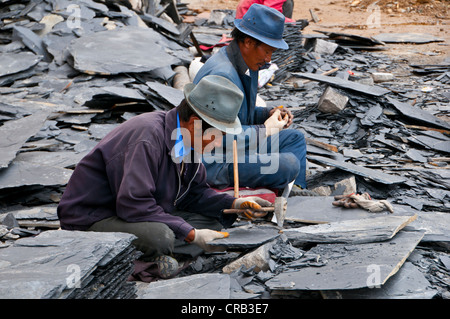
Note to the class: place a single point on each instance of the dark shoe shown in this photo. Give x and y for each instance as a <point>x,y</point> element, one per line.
<point>167,266</point>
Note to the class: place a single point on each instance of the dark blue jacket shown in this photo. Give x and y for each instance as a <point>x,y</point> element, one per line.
<point>229,63</point>
<point>131,174</point>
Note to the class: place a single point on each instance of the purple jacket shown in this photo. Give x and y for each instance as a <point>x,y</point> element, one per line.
<point>131,174</point>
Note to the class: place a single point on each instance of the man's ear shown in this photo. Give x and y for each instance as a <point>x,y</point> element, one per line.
<point>249,42</point>
<point>192,126</point>
<point>194,118</point>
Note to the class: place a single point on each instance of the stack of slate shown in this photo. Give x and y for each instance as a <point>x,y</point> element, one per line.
<point>61,264</point>
<point>290,60</point>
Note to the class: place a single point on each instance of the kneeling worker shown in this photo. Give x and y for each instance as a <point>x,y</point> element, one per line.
<point>142,178</point>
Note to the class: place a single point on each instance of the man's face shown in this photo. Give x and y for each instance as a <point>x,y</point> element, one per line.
<point>256,56</point>
<point>203,140</point>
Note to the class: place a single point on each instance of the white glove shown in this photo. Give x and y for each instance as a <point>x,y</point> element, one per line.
<point>275,123</point>
<point>204,236</point>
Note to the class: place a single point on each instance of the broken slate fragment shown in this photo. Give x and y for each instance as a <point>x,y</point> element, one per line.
<point>319,210</point>
<point>360,170</point>
<point>27,174</point>
<point>39,216</point>
<point>344,84</point>
<point>167,93</point>
<point>14,133</point>
<point>418,114</point>
<point>31,40</point>
<point>431,143</point>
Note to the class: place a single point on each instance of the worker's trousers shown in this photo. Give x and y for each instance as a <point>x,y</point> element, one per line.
<point>273,163</point>
<point>156,239</point>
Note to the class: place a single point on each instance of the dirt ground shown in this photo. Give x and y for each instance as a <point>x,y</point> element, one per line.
<point>369,18</point>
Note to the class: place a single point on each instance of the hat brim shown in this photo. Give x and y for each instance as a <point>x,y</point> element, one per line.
<point>275,43</point>
<point>229,128</point>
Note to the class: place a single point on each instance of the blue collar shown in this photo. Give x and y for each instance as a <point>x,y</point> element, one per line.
<point>180,150</point>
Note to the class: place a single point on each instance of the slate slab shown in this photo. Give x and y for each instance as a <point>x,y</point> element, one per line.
<point>350,266</point>
<point>418,114</point>
<point>199,286</point>
<point>338,82</point>
<point>14,133</point>
<point>435,225</point>
<point>407,283</point>
<point>120,51</point>
<point>17,62</point>
<point>27,174</point>
<point>171,95</point>
<point>31,40</point>
<point>246,237</point>
<point>431,143</point>
<point>320,210</point>
<point>375,175</point>
<point>354,231</point>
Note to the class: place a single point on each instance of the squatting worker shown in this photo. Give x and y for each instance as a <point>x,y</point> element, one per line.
<point>255,37</point>
<point>143,178</point>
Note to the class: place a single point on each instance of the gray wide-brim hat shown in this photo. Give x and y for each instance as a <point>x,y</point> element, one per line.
<point>264,24</point>
<point>217,101</point>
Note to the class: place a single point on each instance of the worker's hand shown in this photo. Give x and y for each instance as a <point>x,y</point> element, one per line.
<point>252,204</point>
<point>283,112</point>
<point>204,236</point>
<point>275,122</point>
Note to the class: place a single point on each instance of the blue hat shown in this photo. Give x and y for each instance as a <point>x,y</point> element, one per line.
<point>264,24</point>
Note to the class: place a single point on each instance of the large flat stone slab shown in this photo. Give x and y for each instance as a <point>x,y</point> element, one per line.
<point>376,175</point>
<point>355,231</point>
<point>128,49</point>
<point>350,266</point>
<point>27,174</point>
<point>246,237</point>
<point>17,62</point>
<point>418,114</point>
<point>319,209</point>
